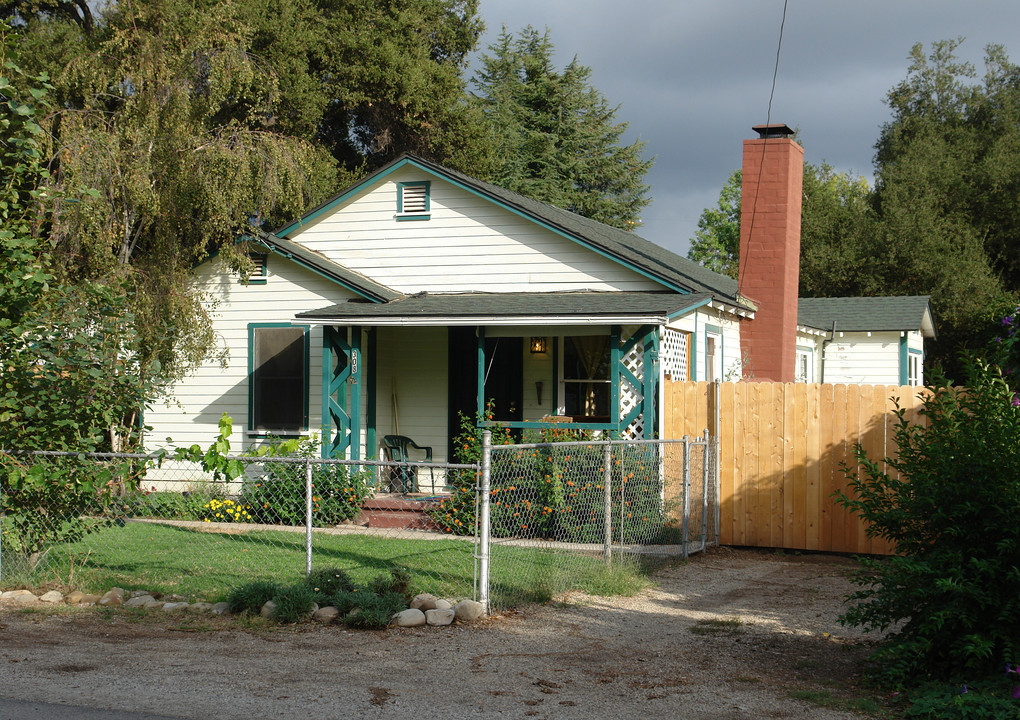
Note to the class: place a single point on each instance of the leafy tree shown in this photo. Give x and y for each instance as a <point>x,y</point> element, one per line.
<point>716,243</point>
<point>948,502</point>
<point>164,111</point>
<point>555,138</point>
<point>194,118</point>
<point>836,230</point>
<point>69,367</point>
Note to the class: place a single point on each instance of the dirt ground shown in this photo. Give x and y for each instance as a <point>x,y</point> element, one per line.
<point>730,634</point>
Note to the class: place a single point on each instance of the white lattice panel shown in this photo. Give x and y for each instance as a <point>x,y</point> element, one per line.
<point>630,397</point>
<point>674,354</point>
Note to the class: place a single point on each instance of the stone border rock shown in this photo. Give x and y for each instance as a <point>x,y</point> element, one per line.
<point>424,609</point>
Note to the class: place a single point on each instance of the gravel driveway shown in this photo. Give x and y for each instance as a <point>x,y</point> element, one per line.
<point>730,634</point>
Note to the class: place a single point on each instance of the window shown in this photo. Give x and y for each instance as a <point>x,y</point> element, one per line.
<point>586,380</point>
<point>413,200</point>
<point>713,357</point>
<point>805,372</point>
<point>277,378</point>
<point>914,360</point>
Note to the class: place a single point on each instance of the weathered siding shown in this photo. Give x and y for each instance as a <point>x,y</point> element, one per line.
<point>856,358</point>
<point>192,413</point>
<point>469,243</point>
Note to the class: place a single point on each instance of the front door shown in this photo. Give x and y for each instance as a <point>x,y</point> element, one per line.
<point>504,373</point>
<point>504,377</point>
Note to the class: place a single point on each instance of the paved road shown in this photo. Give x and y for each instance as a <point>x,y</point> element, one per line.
<point>19,710</point>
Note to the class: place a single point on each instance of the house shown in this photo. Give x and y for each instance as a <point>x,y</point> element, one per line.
<point>421,294</point>
<point>863,340</point>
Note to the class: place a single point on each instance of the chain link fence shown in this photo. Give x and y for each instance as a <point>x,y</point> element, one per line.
<point>567,515</point>
<point>138,521</point>
<point>531,521</point>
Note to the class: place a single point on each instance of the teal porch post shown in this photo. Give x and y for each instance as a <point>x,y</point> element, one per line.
<point>481,372</point>
<point>646,338</point>
<point>616,376</point>
<point>341,366</point>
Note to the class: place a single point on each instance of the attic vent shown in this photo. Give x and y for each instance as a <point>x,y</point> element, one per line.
<point>413,201</point>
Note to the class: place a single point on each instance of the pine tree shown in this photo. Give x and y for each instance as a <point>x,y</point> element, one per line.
<point>555,138</point>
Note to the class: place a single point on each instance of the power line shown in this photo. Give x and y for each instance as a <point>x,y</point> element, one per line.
<point>768,118</point>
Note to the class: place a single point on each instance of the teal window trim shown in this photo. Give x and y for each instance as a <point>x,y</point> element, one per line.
<point>418,213</point>
<point>904,363</point>
<point>555,375</point>
<point>252,329</point>
<point>480,396</point>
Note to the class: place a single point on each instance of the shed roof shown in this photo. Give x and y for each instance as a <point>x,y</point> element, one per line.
<point>512,308</point>
<point>868,314</point>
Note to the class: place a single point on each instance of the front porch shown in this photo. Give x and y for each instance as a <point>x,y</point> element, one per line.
<point>420,382</point>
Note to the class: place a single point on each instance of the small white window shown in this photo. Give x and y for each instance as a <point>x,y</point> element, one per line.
<point>805,365</point>
<point>713,358</point>
<point>413,201</point>
<point>914,376</point>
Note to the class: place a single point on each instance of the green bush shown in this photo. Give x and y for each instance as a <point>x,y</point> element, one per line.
<point>192,504</point>
<point>278,498</point>
<point>293,603</point>
<point>328,581</point>
<point>250,597</point>
<point>949,502</point>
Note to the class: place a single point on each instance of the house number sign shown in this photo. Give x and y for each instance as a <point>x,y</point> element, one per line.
<point>354,366</point>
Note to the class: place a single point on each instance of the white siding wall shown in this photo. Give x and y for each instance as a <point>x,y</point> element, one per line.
<point>193,412</point>
<point>856,358</point>
<point>469,243</point>
<point>697,323</point>
<point>413,367</point>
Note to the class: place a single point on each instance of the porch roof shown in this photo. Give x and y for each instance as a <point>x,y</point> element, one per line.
<point>549,308</point>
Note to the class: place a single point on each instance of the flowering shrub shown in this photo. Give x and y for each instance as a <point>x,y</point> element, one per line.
<point>555,492</point>
<point>278,498</point>
<point>226,511</point>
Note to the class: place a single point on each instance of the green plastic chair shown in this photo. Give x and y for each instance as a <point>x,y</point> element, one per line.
<point>404,479</point>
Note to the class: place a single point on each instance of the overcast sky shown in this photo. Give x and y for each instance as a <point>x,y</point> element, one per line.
<point>693,77</point>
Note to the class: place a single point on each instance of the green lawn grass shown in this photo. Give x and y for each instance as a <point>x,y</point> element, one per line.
<point>207,565</point>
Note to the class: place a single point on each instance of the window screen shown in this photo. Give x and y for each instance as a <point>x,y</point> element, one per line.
<point>279,383</point>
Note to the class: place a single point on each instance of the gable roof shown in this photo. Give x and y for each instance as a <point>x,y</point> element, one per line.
<point>581,307</point>
<point>672,270</point>
<point>864,314</point>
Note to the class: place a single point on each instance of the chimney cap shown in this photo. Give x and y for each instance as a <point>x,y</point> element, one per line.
<point>773,130</point>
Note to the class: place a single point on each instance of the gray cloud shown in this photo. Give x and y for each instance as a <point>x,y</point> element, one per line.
<point>692,78</point>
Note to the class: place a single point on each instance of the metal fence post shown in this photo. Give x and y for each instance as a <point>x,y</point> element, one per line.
<point>483,525</point>
<point>706,475</point>
<point>607,482</point>
<point>308,517</point>
<point>685,531</point>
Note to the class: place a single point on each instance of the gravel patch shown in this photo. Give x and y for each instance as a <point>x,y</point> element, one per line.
<point>729,634</point>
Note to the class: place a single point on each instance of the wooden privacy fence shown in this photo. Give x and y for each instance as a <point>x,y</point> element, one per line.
<point>781,446</point>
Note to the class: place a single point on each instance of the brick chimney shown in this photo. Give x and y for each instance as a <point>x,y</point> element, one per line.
<point>773,175</point>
